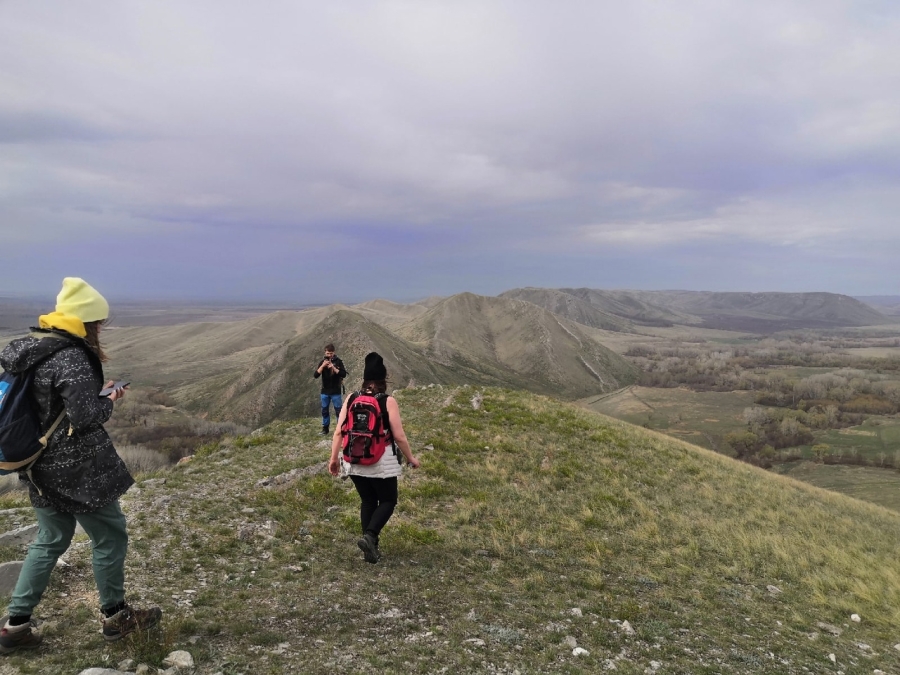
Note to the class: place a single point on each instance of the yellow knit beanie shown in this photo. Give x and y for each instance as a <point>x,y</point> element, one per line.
<point>79,299</point>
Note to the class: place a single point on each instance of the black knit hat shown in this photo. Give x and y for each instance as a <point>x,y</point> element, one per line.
<point>374,369</point>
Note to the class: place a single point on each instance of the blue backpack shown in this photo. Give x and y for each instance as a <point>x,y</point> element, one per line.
<point>21,441</point>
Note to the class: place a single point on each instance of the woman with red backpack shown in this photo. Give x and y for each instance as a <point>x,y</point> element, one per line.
<point>369,424</point>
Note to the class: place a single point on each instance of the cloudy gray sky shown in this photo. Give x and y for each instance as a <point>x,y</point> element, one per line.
<point>338,151</point>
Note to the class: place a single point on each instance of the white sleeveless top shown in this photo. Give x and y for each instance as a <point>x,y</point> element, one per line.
<point>386,467</point>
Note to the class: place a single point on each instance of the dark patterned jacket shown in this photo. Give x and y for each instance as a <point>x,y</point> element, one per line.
<point>80,470</point>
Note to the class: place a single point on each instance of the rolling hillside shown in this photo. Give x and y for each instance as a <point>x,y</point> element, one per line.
<point>771,311</point>
<point>260,369</point>
<point>516,344</point>
<point>886,304</point>
<point>750,312</point>
<point>572,307</point>
<point>536,538</point>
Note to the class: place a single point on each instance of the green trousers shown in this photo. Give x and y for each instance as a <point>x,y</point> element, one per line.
<point>105,527</point>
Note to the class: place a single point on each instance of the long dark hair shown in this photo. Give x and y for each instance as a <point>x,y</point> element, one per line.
<point>375,386</point>
<point>93,338</point>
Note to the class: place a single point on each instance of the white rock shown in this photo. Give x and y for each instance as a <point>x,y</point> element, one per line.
<point>863,646</point>
<point>179,659</point>
<point>475,642</point>
<point>609,664</point>
<point>626,627</point>
<point>101,671</point>
<point>877,672</point>
<point>655,665</point>
<point>578,651</point>
<point>773,589</point>
<point>576,611</point>
<point>570,642</point>
<point>897,646</point>
<point>832,658</point>
<point>855,618</point>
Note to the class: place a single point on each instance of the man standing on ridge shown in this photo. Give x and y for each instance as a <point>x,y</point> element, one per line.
<point>332,372</point>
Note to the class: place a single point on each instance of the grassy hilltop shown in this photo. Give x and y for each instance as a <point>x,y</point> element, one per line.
<point>533,527</point>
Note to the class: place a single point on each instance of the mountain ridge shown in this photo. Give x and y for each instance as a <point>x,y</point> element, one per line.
<point>764,312</point>
<point>260,369</point>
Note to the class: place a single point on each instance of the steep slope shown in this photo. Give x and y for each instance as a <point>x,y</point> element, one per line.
<point>633,306</point>
<point>533,528</point>
<point>570,306</point>
<point>516,343</point>
<point>279,383</point>
<point>389,314</point>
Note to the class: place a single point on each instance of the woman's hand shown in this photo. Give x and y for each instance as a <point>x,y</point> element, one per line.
<point>334,466</point>
<point>413,461</point>
<point>116,393</point>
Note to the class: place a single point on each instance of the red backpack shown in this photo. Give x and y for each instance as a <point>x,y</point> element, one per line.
<point>366,430</point>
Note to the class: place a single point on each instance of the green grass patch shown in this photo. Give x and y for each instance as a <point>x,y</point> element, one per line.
<point>531,524</point>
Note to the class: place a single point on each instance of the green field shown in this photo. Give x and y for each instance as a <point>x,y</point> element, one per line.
<point>879,486</point>
<point>877,439</point>
<point>701,418</point>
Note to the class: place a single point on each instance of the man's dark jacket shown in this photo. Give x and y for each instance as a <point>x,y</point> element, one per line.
<point>80,470</point>
<point>331,382</point>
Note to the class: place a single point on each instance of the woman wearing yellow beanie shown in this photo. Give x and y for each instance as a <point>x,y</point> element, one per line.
<point>79,477</point>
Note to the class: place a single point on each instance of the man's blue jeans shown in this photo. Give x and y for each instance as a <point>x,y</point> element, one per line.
<point>330,399</point>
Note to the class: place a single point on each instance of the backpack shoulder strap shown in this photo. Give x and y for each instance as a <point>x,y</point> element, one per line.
<point>345,427</point>
<point>45,439</point>
<point>382,404</point>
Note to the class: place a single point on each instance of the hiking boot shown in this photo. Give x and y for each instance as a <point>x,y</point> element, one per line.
<point>129,620</point>
<point>368,544</point>
<point>324,431</point>
<point>19,637</point>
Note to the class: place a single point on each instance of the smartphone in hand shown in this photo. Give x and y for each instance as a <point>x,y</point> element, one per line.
<point>121,384</point>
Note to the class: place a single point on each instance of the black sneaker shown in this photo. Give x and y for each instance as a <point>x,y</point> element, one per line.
<point>369,546</point>
<point>19,637</point>
<point>129,620</point>
<point>324,431</point>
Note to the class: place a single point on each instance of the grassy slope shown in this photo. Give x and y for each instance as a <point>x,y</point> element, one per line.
<point>523,511</point>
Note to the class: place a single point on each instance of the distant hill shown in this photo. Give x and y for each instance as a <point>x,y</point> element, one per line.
<point>260,369</point>
<point>391,314</point>
<point>574,307</point>
<point>518,344</point>
<point>750,312</point>
<point>610,310</point>
<point>886,304</point>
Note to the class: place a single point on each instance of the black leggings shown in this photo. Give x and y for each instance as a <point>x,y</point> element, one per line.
<point>379,497</point>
